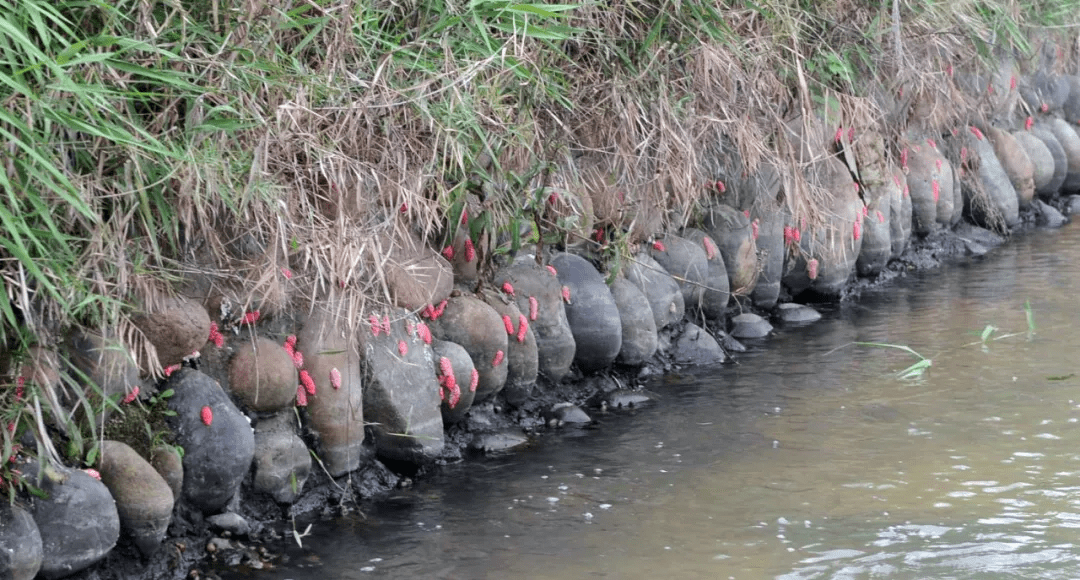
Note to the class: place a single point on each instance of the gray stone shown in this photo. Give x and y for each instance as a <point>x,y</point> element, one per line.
<point>77,520</point>
<point>750,325</point>
<point>230,522</point>
<point>594,319</point>
<point>663,293</point>
<point>1071,106</point>
<point>712,299</point>
<point>567,414</point>
<point>1070,143</point>
<point>1039,155</point>
<point>1017,164</point>
<point>728,343</point>
<point>416,275</point>
<point>1061,163</point>
<point>770,248</point>
<point>687,263</point>
<point>262,376</point>
<point>332,360</point>
<point>982,237</point>
<point>456,395</point>
<point>498,442</point>
<point>166,461</point>
<point>1046,216</point>
<point>522,353</point>
<point>104,367</point>
<point>1073,205</point>
<point>176,326</point>
<point>144,500</point>
<point>1004,203</point>
<point>20,544</point>
<point>876,244</point>
<point>282,461</point>
<point>790,313</point>
<point>476,326</point>
<point>217,455</point>
<point>627,399</point>
<point>695,346</point>
<point>639,341</point>
<point>830,248</point>
<point>900,211</point>
<point>555,344</point>
<point>401,392</point>
<point>735,234</point>
<point>926,181</point>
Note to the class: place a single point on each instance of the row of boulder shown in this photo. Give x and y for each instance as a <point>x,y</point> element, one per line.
<point>249,400</point>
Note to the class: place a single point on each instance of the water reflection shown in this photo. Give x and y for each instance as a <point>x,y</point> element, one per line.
<point>809,459</point>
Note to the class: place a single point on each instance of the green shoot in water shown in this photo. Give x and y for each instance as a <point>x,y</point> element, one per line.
<point>914,371</point>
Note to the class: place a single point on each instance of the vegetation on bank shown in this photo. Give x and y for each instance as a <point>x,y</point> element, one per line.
<point>278,149</point>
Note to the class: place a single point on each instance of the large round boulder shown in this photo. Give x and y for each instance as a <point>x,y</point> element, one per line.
<point>770,247</point>
<point>282,462</point>
<point>20,544</point>
<point>928,178</point>
<point>522,363</point>
<point>712,298</point>
<point>1061,162</point>
<point>531,283</point>
<point>77,520</point>
<point>900,211</point>
<point>1039,155</point>
<point>470,322</point>
<point>662,291</point>
<point>217,439</point>
<point>331,359</point>
<point>687,263</point>
<point>591,312</point>
<point>1001,202</point>
<point>456,373</point>
<point>262,376</point>
<point>176,326</point>
<point>1070,143</point>
<point>736,236</point>
<point>1017,164</point>
<point>400,390</point>
<point>143,498</point>
<point>639,340</point>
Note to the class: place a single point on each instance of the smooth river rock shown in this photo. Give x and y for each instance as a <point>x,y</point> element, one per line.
<point>639,340</point>
<point>665,297</point>
<point>750,325</point>
<point>457,394</point>
<point>695,346</point>
<point>792,313</point>
<point>262,376</point>
<point>144,500</point>
<point>20,544</point>
<point>555,344</point>
<point>594,319</point>
<point>478,328</point>
<point>77,520</point>
<point>282,462</point>
<point>217,438</point>
<point>522,352</point>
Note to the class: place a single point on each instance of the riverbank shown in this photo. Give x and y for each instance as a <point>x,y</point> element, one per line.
<point>197,361</point>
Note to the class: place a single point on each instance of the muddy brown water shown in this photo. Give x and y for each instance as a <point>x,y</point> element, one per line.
<point>809,459</point>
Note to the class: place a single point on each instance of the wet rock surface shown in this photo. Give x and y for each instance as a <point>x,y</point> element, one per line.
<point>750,325</point>
<point>695,346</point>
<point>792,313</point>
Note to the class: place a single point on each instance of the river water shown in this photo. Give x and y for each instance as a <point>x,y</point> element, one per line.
<point>810,458</point>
